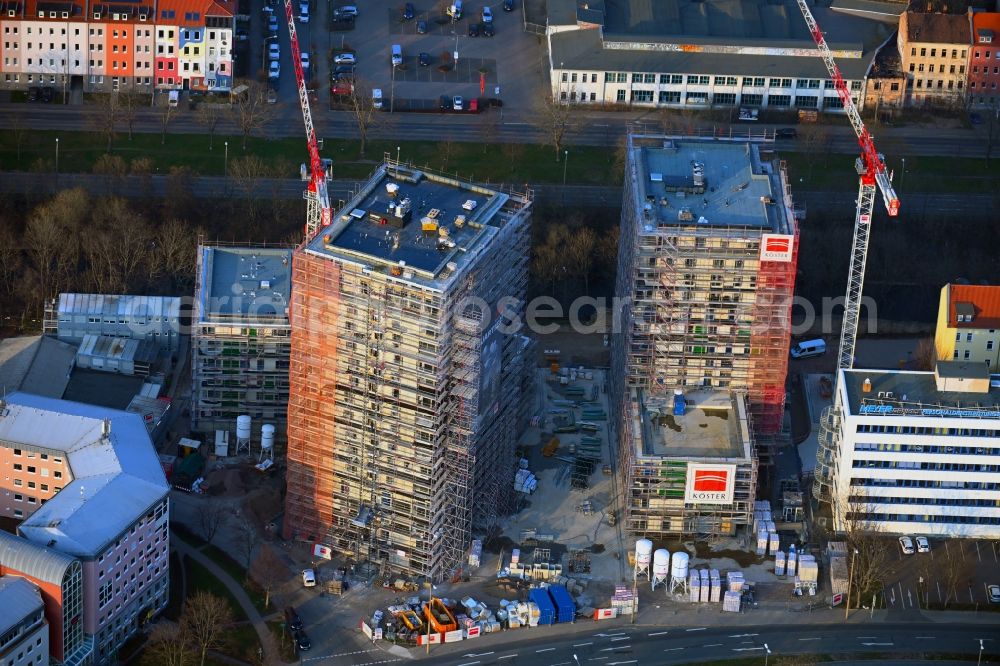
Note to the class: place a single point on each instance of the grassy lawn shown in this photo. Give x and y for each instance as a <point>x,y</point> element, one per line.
<point>238,573</point>
<point>201,579</point>
<point>283,640</point>
<point>494,163</point>
<point>964,175</point>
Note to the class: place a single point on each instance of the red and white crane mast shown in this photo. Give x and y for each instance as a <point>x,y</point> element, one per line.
<point>872,174</point>
<point>318,211</point>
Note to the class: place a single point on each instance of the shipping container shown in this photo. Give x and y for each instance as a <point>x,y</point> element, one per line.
<point>565,608</point>
<point>546,609</point>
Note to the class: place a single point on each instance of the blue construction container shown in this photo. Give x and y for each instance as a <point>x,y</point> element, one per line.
<point>565,608</point>
<point>546,609</point>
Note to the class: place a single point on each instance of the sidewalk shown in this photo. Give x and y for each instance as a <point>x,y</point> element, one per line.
<point>260,626</point>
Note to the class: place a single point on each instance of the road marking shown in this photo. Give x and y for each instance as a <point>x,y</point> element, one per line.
<point>809,639</point>
<point>746,642</point>
<point>713,645</point>
<point>673,649</point>
<point>469,663</point>
<point>658,633</point>
<point>863,637</point>
<point>507,656</point>
<point>617,633</point>
<point>614,647</point>
<point>545,650</point>
<point>743,635</point>
<point>697,629</point>
<point>583,644</point>
<point>480,654</point>
<point>620,638</point>
<point>630,661</point>
<point>871,644</point>
<point>745,649</point>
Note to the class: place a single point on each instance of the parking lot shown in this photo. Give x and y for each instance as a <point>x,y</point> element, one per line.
<point>512,59</point>
<point>923,579</point>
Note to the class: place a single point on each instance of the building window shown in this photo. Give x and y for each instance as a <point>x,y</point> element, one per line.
<point>565,77</point>
<point>620,96</point>
<point>642,96</point>
<point>966,355</point>
<point>752,100</point>
<point>989,345</point>
<point>779,100</point>
<point>649,78</point>
<point>636,78</point>
<point>724,99</point>
<point>955,355</point>
<point>968,338</point>
<point>670,97</point>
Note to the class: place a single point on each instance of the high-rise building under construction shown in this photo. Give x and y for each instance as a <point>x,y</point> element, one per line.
<point>707,260</point>
<point>405,381</point>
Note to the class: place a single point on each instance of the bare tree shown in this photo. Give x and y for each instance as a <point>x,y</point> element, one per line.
<point>180,203</point>
<point>167,646</point>
<point>620,160</point>
<point>247,173</point>
<point>10,258</point>
<point>142,168</point>
<point>514,153</point>
<point>106,119</point>
<point>50,224</point>
<point>246,540</point>
<point>210,115</point>
<point>252,109</point>
<point>211,517</point>
<point>871,551</point>
<point>113,168</point>
<point>267,570</point>
<point>117,245</point>
<point>552,118</point>
<point>166,115</point>
<point>363,110</point>
<point>19,130</point>
<point>203,622</point>
<point>129,102</point>
<point>580,253</point>
<point>925,354</point>
<point>176,245</point>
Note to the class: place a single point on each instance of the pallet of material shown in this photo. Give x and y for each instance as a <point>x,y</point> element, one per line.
<point>731,602</point>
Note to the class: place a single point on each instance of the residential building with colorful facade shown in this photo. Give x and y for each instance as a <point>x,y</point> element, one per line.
<point>138,45</point>
<point>984,60</point>
<point>968,324</point>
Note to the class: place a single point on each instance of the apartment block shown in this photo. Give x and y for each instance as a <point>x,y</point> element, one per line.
<point>59,579</point>
<point>707,259</point>
<point>88,484</point>
<point>915,452</point>
<point>24,633</point>
<point>689,463</point>
<point>934,49</point>
<point>139,45</point>
<point>241,337</point>
<point>968,325</point>
<point>984,60</point>
<point>406,371</point>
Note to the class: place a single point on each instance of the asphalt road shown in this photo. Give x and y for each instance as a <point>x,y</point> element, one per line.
<point>622,645</point>
<point>588,128</point>
<point>545,194</point>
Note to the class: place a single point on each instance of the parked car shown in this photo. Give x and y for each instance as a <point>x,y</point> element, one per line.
<point>303,12</point>
<point>993,591</point>
<point>345,59</point>
<point>341,87</point>
<point>473,30</point>
<point>272,24</point>
<point>305,62</point>
<point>508,5</point>
<point>923,545</point>
<point>308,578</point>
<point>292,619</point>
<point>445,103</point>
<point>47,94</point>
<point>242,35</point>
<point>341,23</point>
<point>457,103</point>
<point>906,544</point>
<point>488,30</point>
<point>785,133</point>
<point>346,10</point>
<point>273,51</point>
<point>487,15</point>
<point>421,27</point>
<point>302,641</point>
<point>342,72</point>
<point>273,70</point>
<point>33,93</point>
<point>272,93</point>
<point>424,59</point>
<point>408,11</point>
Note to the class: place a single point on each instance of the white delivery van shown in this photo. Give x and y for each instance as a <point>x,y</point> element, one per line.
<point>377,98</point>
<point>173,98</point>
<point>808,348</point>
<point>397,55</point>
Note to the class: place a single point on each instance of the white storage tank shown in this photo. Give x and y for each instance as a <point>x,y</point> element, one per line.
<point>661,562</point>
<point>679,565</point>
<point>643,551</point>
<point>267,436</point>
<point>243,427</point>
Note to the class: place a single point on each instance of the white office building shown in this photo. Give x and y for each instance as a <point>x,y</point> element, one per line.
<point>916,452</point>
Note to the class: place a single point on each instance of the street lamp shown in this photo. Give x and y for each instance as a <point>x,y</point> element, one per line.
<point>263,52</point>
<point>565,165</point>
<point>902,174</point>
<point>225,168</point>
<point>981,648</point>
<point>397,157</point>
<point>57,154</point>
<point>767,653</point>
<point>850,584</point>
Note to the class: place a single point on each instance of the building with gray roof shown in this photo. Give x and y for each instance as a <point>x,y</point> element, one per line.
<point>35,364</point>
<point>152,318</point>
<point>691,53</point>
<point>86,481</point>
<point>24,631</point>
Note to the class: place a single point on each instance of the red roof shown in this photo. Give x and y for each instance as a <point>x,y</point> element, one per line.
<point>191,13</point>
<point>986,21</point>
<point>985,301</point>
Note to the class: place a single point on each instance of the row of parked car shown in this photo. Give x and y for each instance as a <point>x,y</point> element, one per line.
<point>45,94</point>
<point>293,625</point>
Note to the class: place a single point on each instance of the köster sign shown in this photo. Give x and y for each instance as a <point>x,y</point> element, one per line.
<point>709,484</point>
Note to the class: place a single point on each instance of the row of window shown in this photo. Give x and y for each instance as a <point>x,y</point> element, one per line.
<point>920,83</point>
<point>913,518</point>
<point>926,466</point>
<point>955,53</point>
<point>704,80</point>
<point>926,483</point>
<point>718,99</point>
<point>924,448</point>
<point>926,430</point>
<point>930,68</point>
<point>926,501</point>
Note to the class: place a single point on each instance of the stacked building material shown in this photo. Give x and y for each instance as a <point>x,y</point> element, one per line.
<point>623,600</point>
<point>731,602</point>
<point>694,586</point>
<point>735,581</point>
<point>525,482</point>
<point>715,596</point>
<point>706,588</point>
<point>779,563</point>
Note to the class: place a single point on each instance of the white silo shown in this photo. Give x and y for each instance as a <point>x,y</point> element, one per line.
<point>679,571</point>
<point>243,424</point>
<point>267,442</point>
<point>643,557</point>
<point>661,568</point>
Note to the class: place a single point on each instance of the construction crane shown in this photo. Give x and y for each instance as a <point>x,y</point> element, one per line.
<point>318,211</point>
<point>872,173</point>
